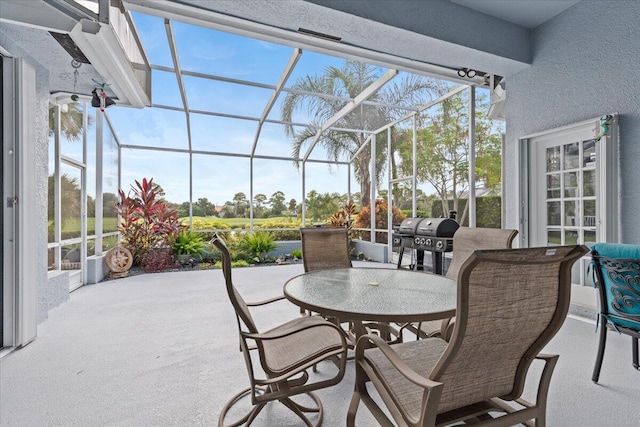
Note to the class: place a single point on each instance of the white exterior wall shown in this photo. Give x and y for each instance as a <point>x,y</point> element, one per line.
<point>49,294</point>
<point>46,294</point>
<point>585,64</point>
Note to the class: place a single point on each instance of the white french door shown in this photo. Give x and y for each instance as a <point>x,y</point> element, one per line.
<point>569,194</point>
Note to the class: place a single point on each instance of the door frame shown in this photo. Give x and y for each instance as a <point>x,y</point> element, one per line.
<point>607,195</point>
<point>19,236</point>
<point>608,177</point>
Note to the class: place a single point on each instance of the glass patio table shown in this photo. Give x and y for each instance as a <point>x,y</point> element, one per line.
<point>374,294</point>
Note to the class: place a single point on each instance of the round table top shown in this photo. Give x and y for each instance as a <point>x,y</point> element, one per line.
<point>374,294</point>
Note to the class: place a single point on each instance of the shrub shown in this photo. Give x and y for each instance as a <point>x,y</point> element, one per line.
<point>297,253</point>
<point>157,259</point>
<point>201,224</point>
<point>146,220</point>
<point>363,220</point>
<point>345,217</point>
<point>188,243</point>
<point>209,253</point>
<point>284,234</point>
<point>258,243</point>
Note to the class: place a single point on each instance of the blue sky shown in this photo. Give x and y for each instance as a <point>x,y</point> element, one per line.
<point>218,178</point>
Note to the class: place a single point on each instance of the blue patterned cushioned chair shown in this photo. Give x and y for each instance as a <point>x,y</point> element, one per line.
<point>617,275</point>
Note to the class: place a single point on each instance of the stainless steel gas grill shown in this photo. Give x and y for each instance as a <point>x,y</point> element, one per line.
<point>426,234</point>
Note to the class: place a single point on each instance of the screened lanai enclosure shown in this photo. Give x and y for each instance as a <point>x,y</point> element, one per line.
<point>245,133</point>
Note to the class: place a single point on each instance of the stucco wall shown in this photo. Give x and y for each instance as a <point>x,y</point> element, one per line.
<point>55,295</point>
<point>585,64</point>
<point>50,294</point>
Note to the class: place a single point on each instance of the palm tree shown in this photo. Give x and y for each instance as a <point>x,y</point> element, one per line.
<point>348,82</point>
<point>70,121</point>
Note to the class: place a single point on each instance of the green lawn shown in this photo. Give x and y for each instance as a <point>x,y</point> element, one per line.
<point>72,227</point>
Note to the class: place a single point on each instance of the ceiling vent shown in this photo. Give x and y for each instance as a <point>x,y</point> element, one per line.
<point>319,35</point>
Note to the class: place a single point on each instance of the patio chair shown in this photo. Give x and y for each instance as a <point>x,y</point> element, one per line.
<point>324,248</point>
<point>511,302</point>
<point>285,354</point>
<point>328,247</point>
<point>617,276</point>
<point>465,241</point>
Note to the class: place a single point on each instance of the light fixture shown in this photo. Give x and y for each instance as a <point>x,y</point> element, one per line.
<point>467,72</point>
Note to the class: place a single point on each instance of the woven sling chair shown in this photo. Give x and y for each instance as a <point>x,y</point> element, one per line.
<point>465,241</point>
<point>328,247</point>
<point>617,276</point>
<point>285,354</point>
<point>324,248</point>
<point>511,302</point>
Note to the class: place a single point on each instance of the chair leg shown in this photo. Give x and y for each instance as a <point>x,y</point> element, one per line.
<point>353,408</point>
<point>634,351</point>
<point>300,409</point>
<point>600,355</point>
<point>247,418</point>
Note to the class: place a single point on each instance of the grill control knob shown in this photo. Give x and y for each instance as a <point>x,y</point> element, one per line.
<point>439,244</point>
<point>416,240</point>
<point>428,242</point>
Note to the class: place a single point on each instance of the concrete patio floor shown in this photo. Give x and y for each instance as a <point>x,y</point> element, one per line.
<point>162,350</point>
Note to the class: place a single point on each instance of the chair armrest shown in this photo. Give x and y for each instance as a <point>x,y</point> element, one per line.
<point>285,333</point>
<point>399,364</point>
<point>265,302</point>
<point>550,361</point>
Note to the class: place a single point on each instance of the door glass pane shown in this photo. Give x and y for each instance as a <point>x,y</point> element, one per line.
<point>70,203</point>
<point>589,213</point>
<point>571,237</point>
<point>51,259</point>
<point>571,213</point>
<point>554,237</point>
<point>71,131</point>
<point>51,181</point>
<point>589,183</point>
<point>553,213</point>
<point>589,236</point>
<point>589,153</point>
<point>571,184</point>
<point>553,159</point>
<point>571,155</point>
<point>70,257</point>
<point>553,186</point>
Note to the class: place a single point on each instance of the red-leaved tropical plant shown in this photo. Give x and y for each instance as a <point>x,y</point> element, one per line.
<point>363,220</point>
<point>146,222</point>
<point>344,218</point>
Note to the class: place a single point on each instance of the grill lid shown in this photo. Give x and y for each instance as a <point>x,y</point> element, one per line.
<point>409,226</point>
<point>437,227</point>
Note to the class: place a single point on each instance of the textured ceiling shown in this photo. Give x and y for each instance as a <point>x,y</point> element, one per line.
<point>493,45</point>
<point>526,13</point>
